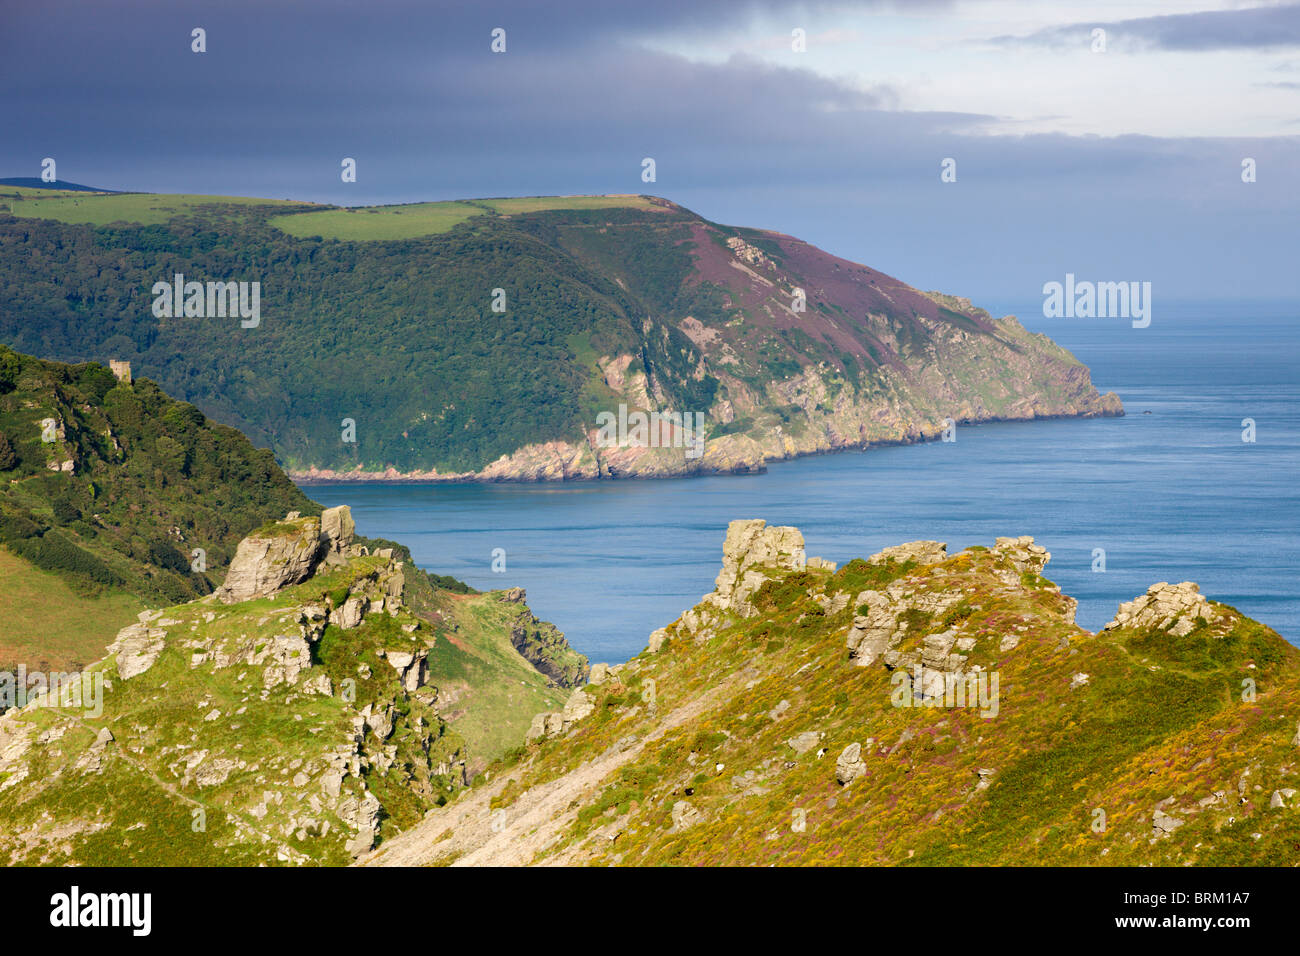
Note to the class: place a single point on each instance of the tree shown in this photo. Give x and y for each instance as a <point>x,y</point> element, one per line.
<point>9,369</point>
<point>8,457</point>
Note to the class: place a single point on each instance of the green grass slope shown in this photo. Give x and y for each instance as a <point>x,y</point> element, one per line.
<point>300,727</point>
<point>49,623</point>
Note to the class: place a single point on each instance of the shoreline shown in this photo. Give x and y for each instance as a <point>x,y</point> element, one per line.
<point>308,478</point>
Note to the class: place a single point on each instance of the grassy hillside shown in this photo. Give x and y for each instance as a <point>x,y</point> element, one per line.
<point>45,619</point>
<point>100,209</point>
<point>297,723</point>
<point>384,316</point>
<point>485,688</point>
<point>378,222</point>
<point>771,726</point>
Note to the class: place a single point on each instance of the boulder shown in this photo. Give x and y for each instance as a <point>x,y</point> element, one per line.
<point>351,613</point>
<point>684,815</point>
<point>337,527</point>
<point>274,558</point>
<point>1162,824</point>
<point>804,742</point>
<point>578,706</point>
<point>411,667</point>
<point>137,647</point>
<point>537,729</point>
<point>850,765</point>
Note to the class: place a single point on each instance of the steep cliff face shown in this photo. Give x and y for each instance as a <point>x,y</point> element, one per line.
<point>916,707</point>
<point>543,645</point>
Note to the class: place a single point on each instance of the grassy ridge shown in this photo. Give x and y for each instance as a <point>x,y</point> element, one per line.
<point>1093,734</point>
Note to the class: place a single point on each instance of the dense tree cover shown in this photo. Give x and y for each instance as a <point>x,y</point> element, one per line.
<point>398,336</point>
<point>153,483</point>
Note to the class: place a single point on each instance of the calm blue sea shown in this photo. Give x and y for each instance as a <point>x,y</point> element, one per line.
<point>1170,492</point>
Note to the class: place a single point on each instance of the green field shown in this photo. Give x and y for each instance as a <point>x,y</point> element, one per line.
<point>43,619</point>
<point>526,204</point>
<point>430,218</point>
<point>100,209</point>
<point>409,221</point>
<point>378,222</point>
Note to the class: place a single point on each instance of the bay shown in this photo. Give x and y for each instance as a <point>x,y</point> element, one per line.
<point>1170,492</point>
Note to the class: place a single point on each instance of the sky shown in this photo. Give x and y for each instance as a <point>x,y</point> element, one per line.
<point>1114,155</point>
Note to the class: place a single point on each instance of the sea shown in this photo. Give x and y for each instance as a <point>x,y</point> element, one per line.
<point>1199,481</point>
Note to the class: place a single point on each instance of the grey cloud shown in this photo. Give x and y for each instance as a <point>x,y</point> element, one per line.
<point>1251,28</point>
<point>116,96</point>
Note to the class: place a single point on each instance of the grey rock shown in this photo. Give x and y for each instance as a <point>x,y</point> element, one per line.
<point>578,706</point>
<point>266,563</point>
<point>684,815</point>
<point>850,765</point>
<point>804,742</point>
<point>137,647</point>
<point>337,527</point>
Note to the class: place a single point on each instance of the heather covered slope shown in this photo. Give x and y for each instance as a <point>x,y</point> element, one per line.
<point>802,714</point>
<point>385,316</point>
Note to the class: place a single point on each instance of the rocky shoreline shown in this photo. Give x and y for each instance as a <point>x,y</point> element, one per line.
<point>559,461</point>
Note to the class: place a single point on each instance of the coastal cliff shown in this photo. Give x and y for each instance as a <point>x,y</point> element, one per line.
<point>553,338</point>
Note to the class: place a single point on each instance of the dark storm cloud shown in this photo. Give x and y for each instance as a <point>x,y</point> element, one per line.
<point>286,90</point>
<point>1252,28</point>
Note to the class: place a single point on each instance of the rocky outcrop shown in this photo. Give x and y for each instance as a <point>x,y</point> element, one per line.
<point>286,553</point>
<point>850,765</point>
<point>543,645</point>
<point>137,648</point>
<point>921,552</point>
<point>337,528</point>
<point>881,624</point>
<point>578,707</point>
<point>751,554</point>
<point>1176,608</point>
